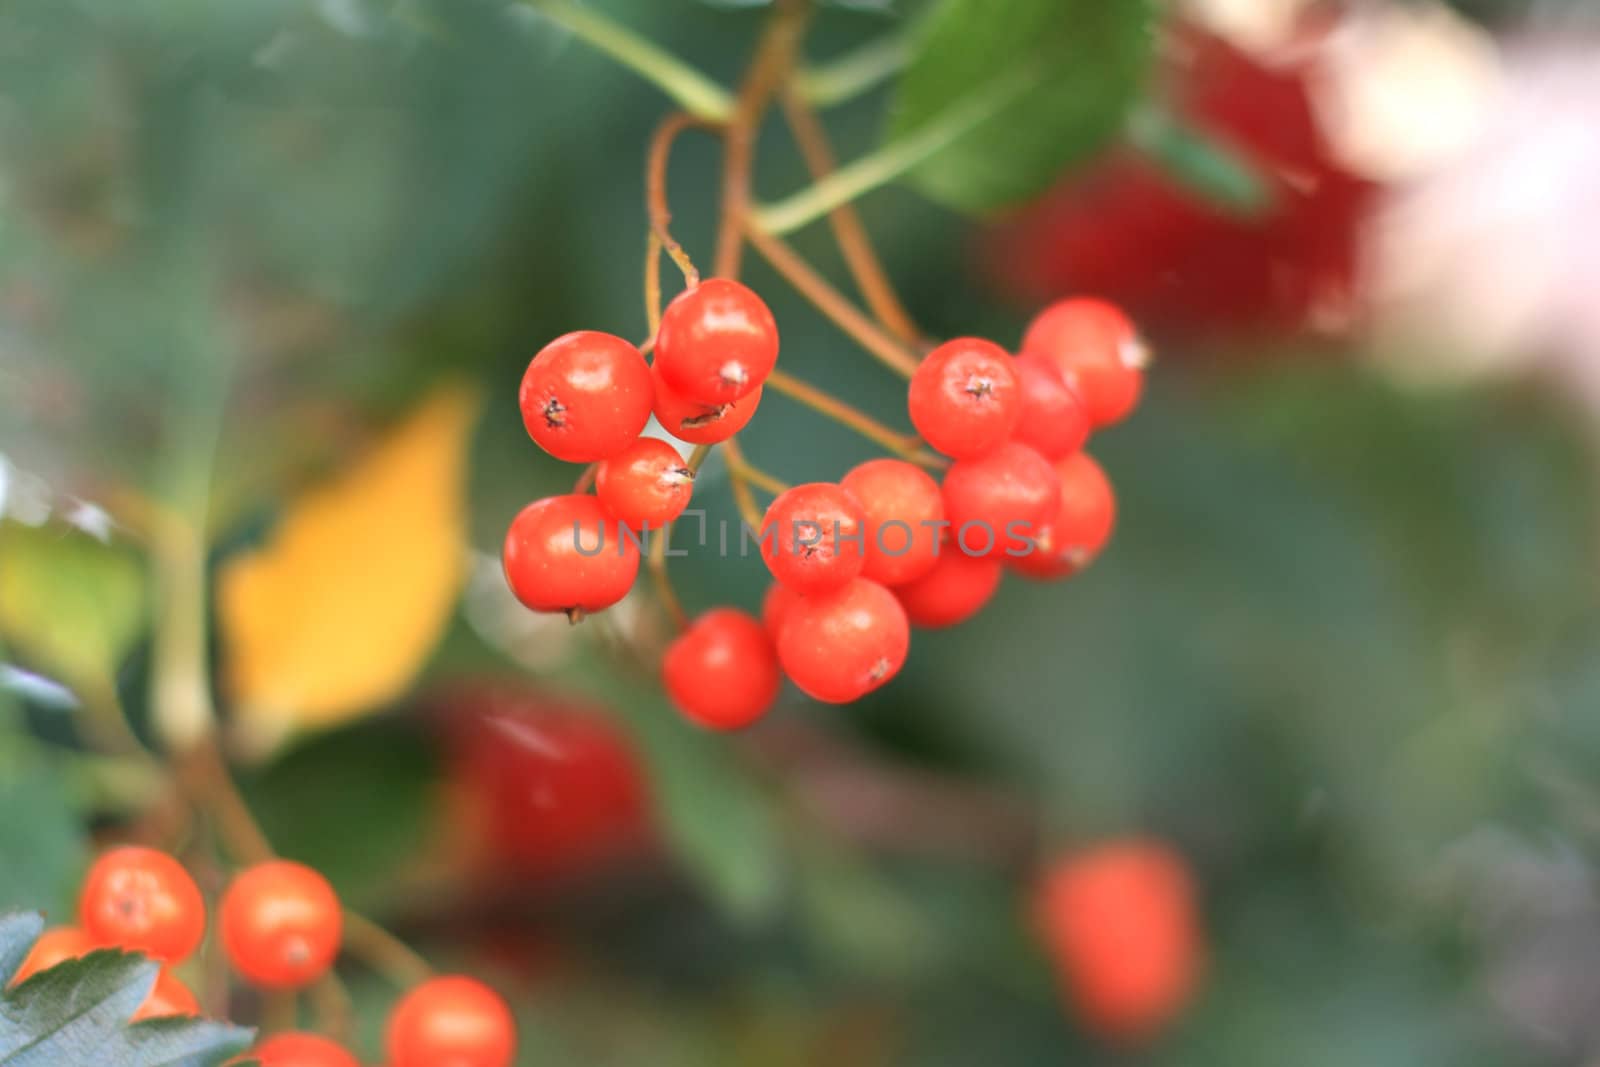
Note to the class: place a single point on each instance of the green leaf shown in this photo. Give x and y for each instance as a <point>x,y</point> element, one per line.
<point>37,822</point>
<point>1202,164</point>
<point>77,1013</point>
<point>1065,71</point>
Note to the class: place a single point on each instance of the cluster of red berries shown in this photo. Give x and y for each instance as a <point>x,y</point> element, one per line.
<point>280,925</point>
<point>857,562</point>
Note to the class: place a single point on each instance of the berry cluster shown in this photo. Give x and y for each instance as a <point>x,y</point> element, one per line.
<point>280,925</point>
<point>856,562</point>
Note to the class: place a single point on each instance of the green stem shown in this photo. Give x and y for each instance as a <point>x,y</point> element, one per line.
<point>852,74</point>
<point>894,159</point>
<point>693,91</point>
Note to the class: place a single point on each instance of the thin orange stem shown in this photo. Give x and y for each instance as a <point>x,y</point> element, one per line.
<point>859,255</point>
<point>906,446</point>
<point>828,300</point>
<point>742,497</point>
<point>652,288</point>
<point>383,952</point>
<point>660,155</point>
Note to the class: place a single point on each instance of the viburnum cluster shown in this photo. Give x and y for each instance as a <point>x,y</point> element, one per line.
<point>280,926</point>
<point>856,563</point>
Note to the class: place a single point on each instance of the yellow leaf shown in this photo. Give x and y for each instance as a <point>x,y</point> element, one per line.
<point>336,614</point>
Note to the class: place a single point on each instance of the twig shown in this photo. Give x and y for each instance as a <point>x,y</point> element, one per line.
<point>906,446</point>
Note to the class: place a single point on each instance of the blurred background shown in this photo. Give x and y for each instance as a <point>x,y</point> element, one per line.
<point>278,265</point>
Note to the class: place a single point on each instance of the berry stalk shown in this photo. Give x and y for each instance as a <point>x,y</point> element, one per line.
<point>905,445</point>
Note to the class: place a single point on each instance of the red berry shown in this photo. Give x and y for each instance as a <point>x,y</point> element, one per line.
<point>451,1021</point>
<point>564,553</point>
<point>1119,923</point>
<point>586,396</point>
<point>717,343</point>
<point>1055,421</point>
<point>697,423</point>
<point>647,484</point>
<point>954,591</point>
<point>299,1050</point>
<point>722,672</point>
<point>1068,542</point>
<point>840,645</point>
<point>775,605</point>
<point>996,502</point>
<point>169,997</point>
<point>1099,352</point>
<point>812,537</point>
<point>142,900</point>
<point>964,398</point>
<point>56,945</point>
<point>905,514</point>
<point>281,924</point>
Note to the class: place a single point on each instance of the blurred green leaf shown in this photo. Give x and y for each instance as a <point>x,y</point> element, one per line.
<point>1212,170</point>
<point>1067,71</point>
<point>42,842</point>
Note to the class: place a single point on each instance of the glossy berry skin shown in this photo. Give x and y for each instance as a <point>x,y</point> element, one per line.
<point>1098,351</point>
<point>299,1050</point>
<point>954,591</point>
<point>1055,421</point>
<point>964,398</point>
<point>839,646</point>
<point>142,900</point>
<point>452,1021</point>
<point>775,604</point>
<point>904,511</point>
<point>564,553</point>
<point>586,396</point>
<point>1120,925</point>
<point>56,945</point>
<point>995,503</point>
<point>722,672</point>
<point>718,342</point>
<point>697,423</point>
<point>169,997</point>
<point>647,484</point>
<point>280,924</point>
<point>812,537</point>
<point>1080,528</point>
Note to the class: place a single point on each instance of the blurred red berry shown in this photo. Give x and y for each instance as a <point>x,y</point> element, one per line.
<point>142,900</point>
<point>718,342</point>
<point>298,1050</point>
<point>775,605</point>
<point>1098,352</point>
<point>813,537</point>
<point>1055,420</point>
<point>647,484</point>
<point>840,645</point>
<point>722,672</point>
<point>697,423</point>
<point>56,945</point>
<point>994,503</point>
<point>565,554</point>
<point>904,511</point>
<point>955,590</point>
<point>1081,526</point>
<point>964,398</point>
<point>281,924</point>
<point>451,1021</point>
<point>169,997</point>
<point>585,396</point>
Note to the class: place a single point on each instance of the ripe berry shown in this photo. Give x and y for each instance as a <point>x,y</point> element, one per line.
<point>167,998</point>
<point>564,553</point>
<point>1119,923</point>
<point>1055,421</point>
<point>56,945</point>
<point>451,1020</point>
<point>647,484</point>
<point>299,1050</point>
<point>722,672</point>
<point>812,537</point>
<point>996,502</point>
<point>717,343</point>
<point>1099,352</point>
<point>955,590</point>
<point>586,396</point>
<point>281,924</point>
<point>775,605</point>
<point>697,423</point>
<point>904,512</point>
<point>1081,526</point>
<point>964,398</point>
<point>142,900</point>
<point>840,645</point>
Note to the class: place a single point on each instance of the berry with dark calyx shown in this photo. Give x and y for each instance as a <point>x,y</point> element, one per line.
<point>168,998</point>
<point>964,398</point>
<point>142,900</point>
<point>775,605</point>
<point>812,537</point>
<point>298,1050</point>
<point>722,672</point>
<point>586,396</point>
<point>1055,421</point>
<point>954,591</point>
<point>281,924</point>
<point>697,423</point>
<point>565,554</point>
<point>56,945</point>
<point>647,484</point>
<point>454,1021</point>
<point>1119,922</point>
<point>998,502</point>
<point>840,645</point>
<point>904,511</point>
<point>717,342</point>
<point>1071,539</point>
<point>1099,352</point>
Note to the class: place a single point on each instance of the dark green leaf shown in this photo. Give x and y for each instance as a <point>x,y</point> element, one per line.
<point>1061,73</point>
